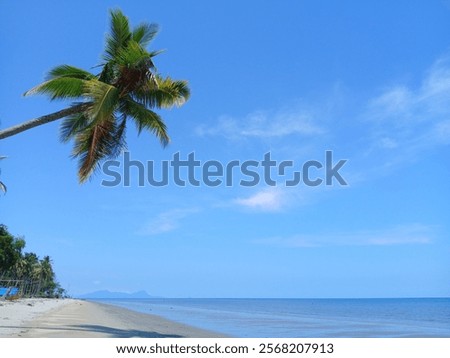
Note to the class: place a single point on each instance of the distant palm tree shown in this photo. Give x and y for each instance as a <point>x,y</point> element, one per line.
<point>127,87</point>
<point>2,185</point>
<point>47,276</point>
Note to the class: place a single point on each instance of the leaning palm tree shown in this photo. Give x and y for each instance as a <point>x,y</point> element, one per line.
<point>128,87</point>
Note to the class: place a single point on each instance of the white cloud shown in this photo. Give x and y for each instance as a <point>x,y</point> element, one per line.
<point>399,235</point>
<point>165,222</point>
<point>271,199</point>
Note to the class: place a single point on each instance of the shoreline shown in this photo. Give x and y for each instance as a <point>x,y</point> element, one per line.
<point>73,318</point>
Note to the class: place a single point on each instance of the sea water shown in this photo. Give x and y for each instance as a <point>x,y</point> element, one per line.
<point>287,318</point>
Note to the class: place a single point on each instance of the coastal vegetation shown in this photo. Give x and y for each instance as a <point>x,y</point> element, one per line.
<point>127,87</point>
<point>25,272</point>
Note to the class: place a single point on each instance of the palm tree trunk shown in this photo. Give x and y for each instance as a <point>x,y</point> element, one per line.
<point>5,133</point>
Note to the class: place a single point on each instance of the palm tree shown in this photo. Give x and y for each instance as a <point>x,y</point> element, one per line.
<point>47,277</point>
<point>128,87</point>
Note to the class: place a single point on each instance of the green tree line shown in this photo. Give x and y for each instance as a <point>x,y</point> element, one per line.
<point>27,267</point>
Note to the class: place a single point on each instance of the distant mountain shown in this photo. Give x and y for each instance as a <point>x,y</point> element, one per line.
<point>109,294</point>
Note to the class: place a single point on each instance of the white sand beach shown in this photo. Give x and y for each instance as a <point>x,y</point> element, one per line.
<point>68,318</point>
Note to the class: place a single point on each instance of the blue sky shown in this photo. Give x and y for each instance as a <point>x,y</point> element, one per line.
<point>368,80</point>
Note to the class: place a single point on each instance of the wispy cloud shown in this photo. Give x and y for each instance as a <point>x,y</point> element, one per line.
<point>165,222</point>
<point>413,117</point>
<point>399,235</point>
<point>270,199</point>
<point>401,125</point>
<point>264,124</point>
<point>441,132</point>
<point>378,135</point>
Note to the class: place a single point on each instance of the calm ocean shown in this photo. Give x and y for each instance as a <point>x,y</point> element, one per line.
<point>261,318</point>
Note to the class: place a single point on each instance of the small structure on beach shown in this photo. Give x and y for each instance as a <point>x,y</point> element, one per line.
<point>14,289</point>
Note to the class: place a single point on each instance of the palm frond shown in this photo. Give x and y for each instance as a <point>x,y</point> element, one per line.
<point>60,88</point>
<point>119,34</point>
<point>70,71</point>
<point>3,187</point>
<point>148,120</point>
<point>94,144</point>
<point>119,138</point>
<point>133,55</point>
<point>166,94</point>
<point>104,97</point>
<point>108,73</point>
<point>144,33</point>
<point>72,125</point>
<point>91,147</point>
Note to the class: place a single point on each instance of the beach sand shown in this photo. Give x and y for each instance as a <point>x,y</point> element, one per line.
<point>39,318</point>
